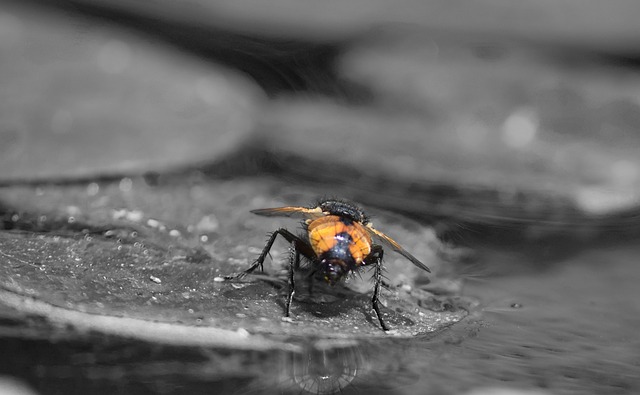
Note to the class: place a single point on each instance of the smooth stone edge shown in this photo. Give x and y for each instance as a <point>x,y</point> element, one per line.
<point>158,332</point>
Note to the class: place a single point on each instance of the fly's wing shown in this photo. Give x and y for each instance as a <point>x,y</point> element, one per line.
<point>290,211</point>
<point>389,242</point>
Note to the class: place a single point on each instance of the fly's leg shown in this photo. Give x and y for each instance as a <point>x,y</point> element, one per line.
<point>376,292</point>
<point>299,247</point>
<point>376,255</point>
<point>294,263</point>
<point>259,262</point>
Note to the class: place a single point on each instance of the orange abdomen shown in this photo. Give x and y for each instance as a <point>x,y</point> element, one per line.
<point>326,232</point>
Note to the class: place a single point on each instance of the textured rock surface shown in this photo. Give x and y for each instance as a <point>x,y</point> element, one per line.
<point>127,249</point>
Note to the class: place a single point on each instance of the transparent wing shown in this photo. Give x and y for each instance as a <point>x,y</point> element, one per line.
<point>290,211</point>
<point>389,242</point>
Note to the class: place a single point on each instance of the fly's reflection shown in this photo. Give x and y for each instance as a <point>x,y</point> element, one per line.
<point>317,367</point>
<point>329,366</point>
<point>326,367</point>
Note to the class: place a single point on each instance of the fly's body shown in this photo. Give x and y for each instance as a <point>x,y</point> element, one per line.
<point>340,244</point>
<point>339,240</point>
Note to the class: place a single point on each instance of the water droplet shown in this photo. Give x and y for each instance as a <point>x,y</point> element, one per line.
<point>126,184</point>
<point>208,224</point>
<point>243,332</point>
<point>520,128</point>
<point>93,189</point>
<point>600,201</point>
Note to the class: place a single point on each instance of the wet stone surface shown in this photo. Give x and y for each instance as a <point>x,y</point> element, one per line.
<point>82,98</point>
<point>550,136</point>
<point>128,249</point>
<point>521,117</point>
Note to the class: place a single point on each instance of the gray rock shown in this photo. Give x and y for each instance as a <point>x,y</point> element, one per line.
<point>80,99</point>
<point>79,259</point>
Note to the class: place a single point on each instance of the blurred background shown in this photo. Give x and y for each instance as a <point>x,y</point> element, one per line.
<point>506,131</point>
<point>533,99</point>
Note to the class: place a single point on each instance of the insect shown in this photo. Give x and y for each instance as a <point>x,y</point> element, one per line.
<point>338,240</point>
